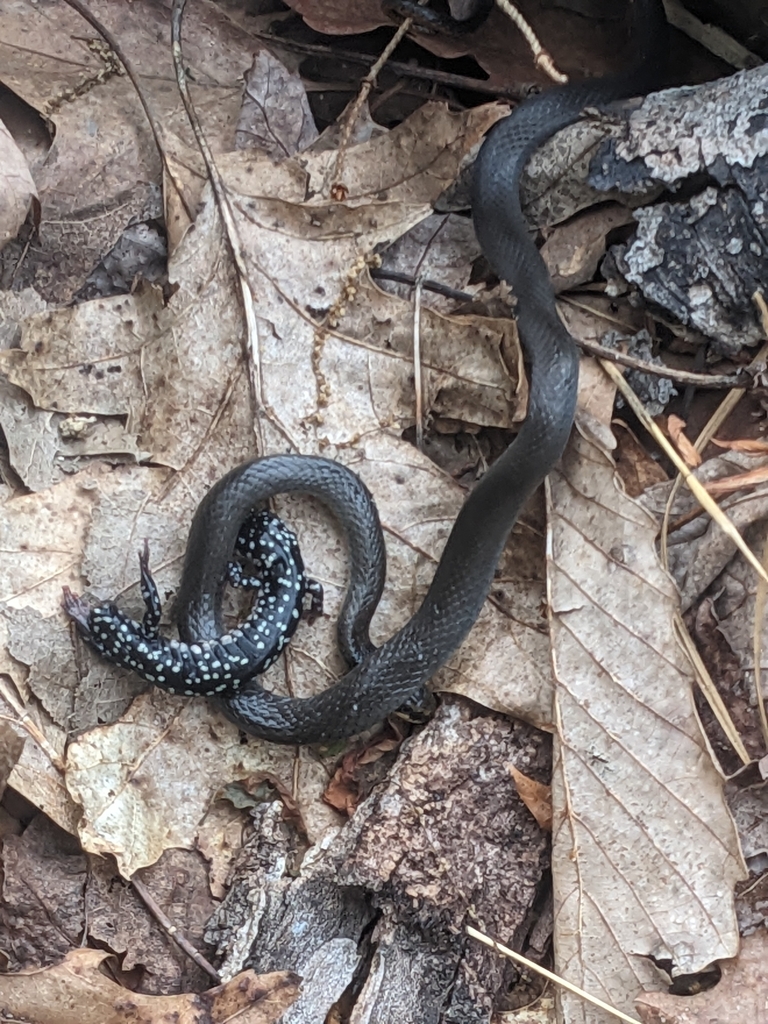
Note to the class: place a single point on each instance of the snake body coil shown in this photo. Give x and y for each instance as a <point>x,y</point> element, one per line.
<point>383,679</point>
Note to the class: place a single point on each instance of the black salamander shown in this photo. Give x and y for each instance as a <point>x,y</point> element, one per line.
<point>215,667</point>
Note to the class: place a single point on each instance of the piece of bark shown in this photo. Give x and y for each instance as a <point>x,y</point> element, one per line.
<point>445,842</point>
<point>700,258</point>
<point>449,842</point>
<point>271,915</point>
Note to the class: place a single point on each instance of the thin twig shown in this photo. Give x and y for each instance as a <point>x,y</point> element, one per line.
<point>541,57</point>
<point>168,926</point>
<point>350,117</point>
<point>757,646</point>
<point>26,722</point>
<point>251,348</point>
<point>711,37</point>
<point>418,381</point>
<point>762,590</point>
<point>447,78</point>
<point>538,969</point>
<point>714,382</point>
<point>383,274</point>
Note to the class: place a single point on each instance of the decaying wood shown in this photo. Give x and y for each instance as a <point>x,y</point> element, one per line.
<point>699,257</point>
<point>446,842</point>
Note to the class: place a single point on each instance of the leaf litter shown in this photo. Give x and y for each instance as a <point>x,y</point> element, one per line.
<point>172,378</point>
<point>76,991</point>
<point>632,769</point>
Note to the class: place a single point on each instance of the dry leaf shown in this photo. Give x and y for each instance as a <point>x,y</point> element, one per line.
<point>17,187</point>
<point>644,851</point>
<point>741,995</point>
<point>129,775</point>
<point>77,992</point>
<point>535,795</point>
<point>97,169</point>
<point>42,915</point>
<point>636,468</point>
<point>343,791</point>
<point>338,17</point>
<point>104,167</point>
<point>749,807</point>
<point>442,248</point>
<point>275,118</point>
<point>573,250</point>
<point>751,445</point>
<point>739,482</point>
<point>597,395</point>
<point>118,919</point>
<point>11,745</point>
<point>676,429</point>
<point>219,840</point>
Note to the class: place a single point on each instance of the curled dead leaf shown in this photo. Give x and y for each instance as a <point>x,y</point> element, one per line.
<point>676,428</point>
<point>347,787</point>
<point>77,992</point>
<point>535,795</point>
<point>738,482</point>
<point>750,445</point>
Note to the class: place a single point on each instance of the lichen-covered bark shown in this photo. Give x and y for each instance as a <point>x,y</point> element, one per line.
<point>700,257</point>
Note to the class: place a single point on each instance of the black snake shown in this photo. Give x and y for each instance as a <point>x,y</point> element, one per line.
<point>382,679</point>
